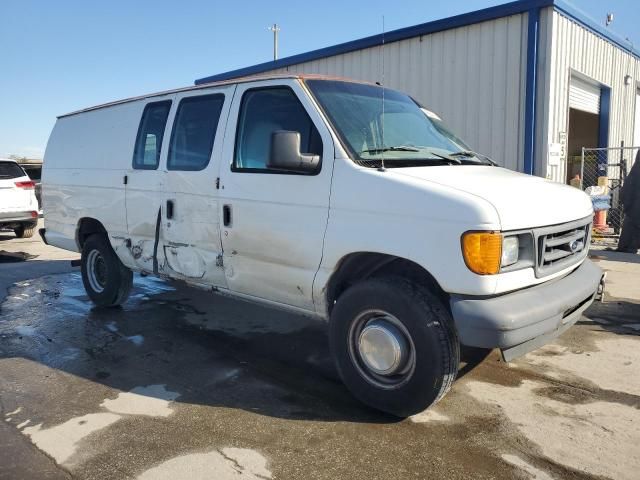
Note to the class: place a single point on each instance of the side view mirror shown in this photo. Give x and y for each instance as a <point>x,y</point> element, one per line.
<point>285,153</point>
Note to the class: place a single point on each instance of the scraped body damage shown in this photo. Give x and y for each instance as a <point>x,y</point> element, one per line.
<point>190,241</point>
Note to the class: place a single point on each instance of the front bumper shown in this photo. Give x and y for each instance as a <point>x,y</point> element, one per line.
<point>524,320</point>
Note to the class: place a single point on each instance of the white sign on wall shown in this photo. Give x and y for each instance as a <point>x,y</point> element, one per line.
<point>562,138</point>
<point>555,154</point>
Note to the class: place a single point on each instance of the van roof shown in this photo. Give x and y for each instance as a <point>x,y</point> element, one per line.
<point>252,78</point>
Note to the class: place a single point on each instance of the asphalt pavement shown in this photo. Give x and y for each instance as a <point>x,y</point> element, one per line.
<point>182,383</point>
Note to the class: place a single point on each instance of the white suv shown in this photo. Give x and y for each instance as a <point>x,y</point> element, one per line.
<point>18,204</point>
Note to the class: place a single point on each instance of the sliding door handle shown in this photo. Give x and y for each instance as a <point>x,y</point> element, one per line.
<point>170,207</point>
<point>226,215</point>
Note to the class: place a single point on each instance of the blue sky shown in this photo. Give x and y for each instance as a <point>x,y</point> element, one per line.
<point>58,56</point>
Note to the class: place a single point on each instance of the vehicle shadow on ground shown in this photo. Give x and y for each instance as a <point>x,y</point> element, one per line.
<point>14,257</point>
<point>7,235</point>
<point>211,350</point>
<point>616,315</point>
<point>471,357</point>
<point>614,256</point>
<point>11,257</point>
<point>16,268</point>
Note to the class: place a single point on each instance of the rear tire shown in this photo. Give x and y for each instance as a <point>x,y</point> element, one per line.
<point>394,344</point>
<point>25,230</point>
<point>106,280</point>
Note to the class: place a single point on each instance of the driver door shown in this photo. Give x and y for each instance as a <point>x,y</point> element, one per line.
<point>273,221</point>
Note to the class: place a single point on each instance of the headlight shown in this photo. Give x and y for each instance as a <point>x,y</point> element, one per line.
<point>510,248</point>
<point>482,252</point>
<point>485,253</point>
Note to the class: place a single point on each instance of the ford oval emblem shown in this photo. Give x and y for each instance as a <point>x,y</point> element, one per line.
<point>575,246</point>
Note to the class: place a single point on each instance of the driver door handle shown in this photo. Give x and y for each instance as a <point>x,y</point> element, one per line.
<point>226,215</point>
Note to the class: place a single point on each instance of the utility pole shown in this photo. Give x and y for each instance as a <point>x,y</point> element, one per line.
<point>275,29</point>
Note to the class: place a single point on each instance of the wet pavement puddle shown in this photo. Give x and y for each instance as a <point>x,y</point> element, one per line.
<point>179,380</point>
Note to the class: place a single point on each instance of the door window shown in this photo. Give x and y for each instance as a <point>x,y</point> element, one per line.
<point>194,131</point>
<point>262,112</point>
<point>146,155</point>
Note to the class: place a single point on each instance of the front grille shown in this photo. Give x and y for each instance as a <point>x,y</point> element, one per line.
<point>561,246</point>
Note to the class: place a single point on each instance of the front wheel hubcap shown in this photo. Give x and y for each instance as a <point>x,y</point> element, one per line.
<point>381,349</point>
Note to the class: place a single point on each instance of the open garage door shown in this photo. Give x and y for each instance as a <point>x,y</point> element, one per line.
<point>584,96</point>
<point>585,123</point>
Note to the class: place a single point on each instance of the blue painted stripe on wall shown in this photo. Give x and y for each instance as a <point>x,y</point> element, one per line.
<point>603,128</point>
<point>605,108</point>
<point>530,98</point>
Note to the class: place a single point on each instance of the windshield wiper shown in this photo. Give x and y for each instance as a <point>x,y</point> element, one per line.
<point>403,148</point>
<point>471,153</point>
<point>449,158</point>
<point>413,162</point>
<point>399,148</point>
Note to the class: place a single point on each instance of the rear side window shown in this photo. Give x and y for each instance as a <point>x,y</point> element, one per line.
<point>146,155</point>
<point>264,111</point>
<point>10,170</point>
<point>194,131</point>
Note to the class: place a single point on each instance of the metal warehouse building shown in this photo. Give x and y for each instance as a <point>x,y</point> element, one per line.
<point>529,82</point>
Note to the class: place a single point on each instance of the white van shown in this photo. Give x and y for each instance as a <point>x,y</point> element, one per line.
<point>302,192</point>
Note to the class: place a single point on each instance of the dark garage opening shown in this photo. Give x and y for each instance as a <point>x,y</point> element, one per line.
<point>584,130</point>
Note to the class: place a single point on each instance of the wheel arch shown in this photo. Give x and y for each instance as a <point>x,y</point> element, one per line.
<point>358,266</point>
<point>88,226</point>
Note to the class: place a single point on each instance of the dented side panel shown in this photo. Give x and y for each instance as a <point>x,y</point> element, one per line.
<point>144,200</point>
<point>144,197</point>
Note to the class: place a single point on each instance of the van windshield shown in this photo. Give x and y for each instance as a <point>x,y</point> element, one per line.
<point>444,130</point>
<point>403,136</point>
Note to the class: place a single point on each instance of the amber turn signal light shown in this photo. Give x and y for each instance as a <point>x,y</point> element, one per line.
<point>482,252</point>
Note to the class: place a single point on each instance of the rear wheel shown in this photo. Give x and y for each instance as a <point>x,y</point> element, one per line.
<point>25,230</point>
<point>106,280</point>
<point>394,345</point>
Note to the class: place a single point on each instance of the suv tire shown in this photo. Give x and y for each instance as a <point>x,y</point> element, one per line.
<point>25,230</point>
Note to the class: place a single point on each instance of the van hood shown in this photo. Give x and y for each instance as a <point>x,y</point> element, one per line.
<point>521,201</point>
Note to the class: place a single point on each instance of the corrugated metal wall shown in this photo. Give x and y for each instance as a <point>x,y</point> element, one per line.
<point>473,77</point>
<point>567,46</point>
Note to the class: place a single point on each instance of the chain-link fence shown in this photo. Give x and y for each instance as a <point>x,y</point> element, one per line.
<point>602,174</point>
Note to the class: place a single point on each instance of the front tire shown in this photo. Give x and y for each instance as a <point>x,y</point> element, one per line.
<point>394,344</point>
<point>106,280</point>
